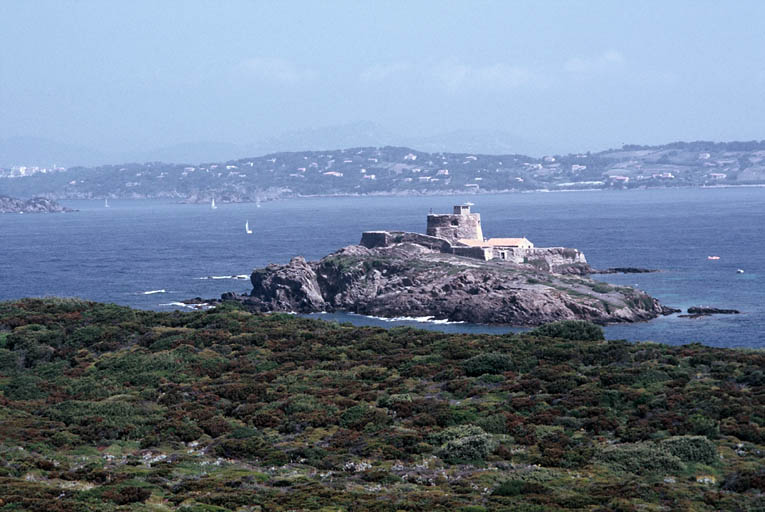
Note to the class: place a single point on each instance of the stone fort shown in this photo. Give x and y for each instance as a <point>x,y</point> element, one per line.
<point>459,225</point>
<point>460,233</point>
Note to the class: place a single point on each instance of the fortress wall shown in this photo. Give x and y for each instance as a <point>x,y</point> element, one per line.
<point>372,239</point>
<point>481,253</point>
<point>444,230</point>
<point>455,227</point>
<point>550,259</point>
<point>557,255</point>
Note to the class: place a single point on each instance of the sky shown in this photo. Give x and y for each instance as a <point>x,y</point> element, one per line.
<point>564,76</point>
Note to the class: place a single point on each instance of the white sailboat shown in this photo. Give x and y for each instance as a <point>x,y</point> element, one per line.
<point>106,203</point>
<point>212,204</point>
<point>247,227</point>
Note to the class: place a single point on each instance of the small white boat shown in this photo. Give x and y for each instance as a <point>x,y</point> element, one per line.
<point>713,257</point>
<point>106,203</point>
<point>212,204</point>
<point>739,271</point>
<point>247,227</point>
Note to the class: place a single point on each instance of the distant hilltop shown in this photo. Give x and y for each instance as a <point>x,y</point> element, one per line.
<point>401,170</point>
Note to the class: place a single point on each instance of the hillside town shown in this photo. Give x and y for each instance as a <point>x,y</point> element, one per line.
<point>399,170</point>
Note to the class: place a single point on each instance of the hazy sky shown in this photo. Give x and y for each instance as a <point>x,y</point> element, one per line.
<point>572,75</point>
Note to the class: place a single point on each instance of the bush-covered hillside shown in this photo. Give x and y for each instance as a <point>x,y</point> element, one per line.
<point>106,408</point>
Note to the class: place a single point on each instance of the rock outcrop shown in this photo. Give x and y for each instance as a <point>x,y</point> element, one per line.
<point>34,205</point>
<point>410,279</point>
<point>701,311</point>
<point>623,270</point>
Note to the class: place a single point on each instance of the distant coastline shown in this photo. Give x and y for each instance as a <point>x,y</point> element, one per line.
<point>416,193</point>
<point>399,171</point>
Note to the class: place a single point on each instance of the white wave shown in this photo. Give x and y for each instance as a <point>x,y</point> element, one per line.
<point>152,292</point>
<point>420,319</point>
<point>201,305</point>
<point>446,321</point>
<point>238,276</point>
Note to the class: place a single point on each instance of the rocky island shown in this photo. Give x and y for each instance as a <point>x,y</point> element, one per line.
<point>34,205</point>
<point>450,273</point>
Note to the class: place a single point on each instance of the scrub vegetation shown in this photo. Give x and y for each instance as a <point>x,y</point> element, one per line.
<point>108,408</point>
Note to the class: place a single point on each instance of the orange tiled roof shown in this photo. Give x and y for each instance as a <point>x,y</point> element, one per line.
<point>472,242</point>
<point>496,242</point>
<point>508,242</point>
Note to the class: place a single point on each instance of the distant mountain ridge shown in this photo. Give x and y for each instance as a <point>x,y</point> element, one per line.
<point>37,151</point>
<point>403,170</point>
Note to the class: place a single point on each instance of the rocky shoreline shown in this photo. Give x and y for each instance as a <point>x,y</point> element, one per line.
<point>408,279</point>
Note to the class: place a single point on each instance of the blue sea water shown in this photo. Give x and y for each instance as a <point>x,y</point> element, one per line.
<point>118,254</point>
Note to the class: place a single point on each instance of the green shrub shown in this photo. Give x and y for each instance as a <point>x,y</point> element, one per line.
<point>509,488</point>
<point>64,438</point>
<point>558,449</point>
<point>390,400</point>
<point>354,417</point>
<point>202,507</point>
<point>640,458</point>
<point>464,443</point>
<point>184,429</point>
<point>127,494</point>
<point>517,487</point>
<point>490,362</point>
<point>310,455</point>
<point>494,424</point>
<point>301,403</point>
<point>578,330</point>
<point>456,432</point>
<point>243,432</point>
<point>601,287</point>
<point>31,334</point>
<point>85,336</point>
<point>467,449</point>
<point>95,421</point>
<point>252,447</point>
<point>691,448</point>
<point>23,387</point>
<point>742,481</point>
<point>33,353</point>
<point>701,425</point>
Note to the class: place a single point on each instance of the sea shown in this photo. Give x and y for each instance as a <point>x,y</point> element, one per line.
<point>154,254</point>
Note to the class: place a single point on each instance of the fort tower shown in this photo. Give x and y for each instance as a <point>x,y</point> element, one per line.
<point>453,227</point>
